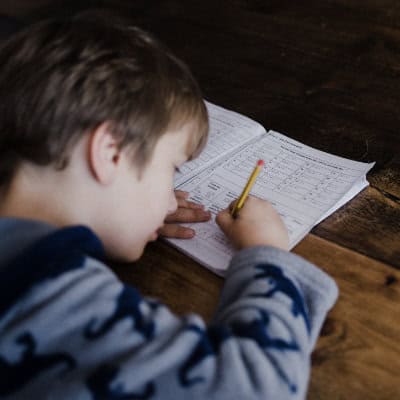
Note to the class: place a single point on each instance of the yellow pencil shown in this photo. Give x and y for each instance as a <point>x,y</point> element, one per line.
<point>240,202</point>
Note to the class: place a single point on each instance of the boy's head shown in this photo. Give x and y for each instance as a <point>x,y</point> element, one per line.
<point>61,81</point>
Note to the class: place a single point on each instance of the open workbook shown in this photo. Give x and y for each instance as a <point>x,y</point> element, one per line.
<point>305,185</point>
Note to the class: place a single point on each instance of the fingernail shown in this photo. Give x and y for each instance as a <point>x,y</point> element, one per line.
<point>190,233</point>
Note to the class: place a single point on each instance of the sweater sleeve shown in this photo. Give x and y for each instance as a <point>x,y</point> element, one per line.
<point>114,344</point>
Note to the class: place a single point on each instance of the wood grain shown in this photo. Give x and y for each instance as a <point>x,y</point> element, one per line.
<point>358,353</point>
<point>369,224</point>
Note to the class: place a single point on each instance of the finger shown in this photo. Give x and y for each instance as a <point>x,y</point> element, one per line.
<point>181,194</point>
<point>183,203</point>
<point>191,204</point>
<point>188,215</point>
<point>232,205</point>
<point>224,219</point>
<point>176,231</point>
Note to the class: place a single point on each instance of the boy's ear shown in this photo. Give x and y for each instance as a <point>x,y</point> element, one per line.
<point>104,154</point>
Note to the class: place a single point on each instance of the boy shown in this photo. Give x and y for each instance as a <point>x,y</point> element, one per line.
<point>95,118</point>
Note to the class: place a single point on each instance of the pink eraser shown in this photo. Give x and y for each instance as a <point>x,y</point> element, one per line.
<point>260,163</point>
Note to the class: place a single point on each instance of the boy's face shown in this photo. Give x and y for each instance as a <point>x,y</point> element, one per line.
<point>144,200</point>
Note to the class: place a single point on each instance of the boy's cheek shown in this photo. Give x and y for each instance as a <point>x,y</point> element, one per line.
<point>130,255</point>
<point>173,204</point>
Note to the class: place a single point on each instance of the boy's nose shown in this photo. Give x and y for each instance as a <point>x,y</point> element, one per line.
<point>173,204</point>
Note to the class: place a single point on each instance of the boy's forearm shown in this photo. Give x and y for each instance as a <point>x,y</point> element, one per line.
<point>278,301</point>
<point>317,290</point>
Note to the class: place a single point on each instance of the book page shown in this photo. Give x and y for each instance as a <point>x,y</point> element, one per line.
<point>228,132</point>
<point>303,184</point>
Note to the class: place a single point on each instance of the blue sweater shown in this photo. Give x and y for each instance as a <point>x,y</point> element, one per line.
<point>70,329</point>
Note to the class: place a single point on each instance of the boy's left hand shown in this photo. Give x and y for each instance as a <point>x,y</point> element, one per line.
<point>187,212</point>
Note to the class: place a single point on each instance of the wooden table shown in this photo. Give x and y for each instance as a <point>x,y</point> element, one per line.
<point>326,73</point>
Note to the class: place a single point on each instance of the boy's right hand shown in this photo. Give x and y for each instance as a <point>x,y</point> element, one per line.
<point>257,224</point>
